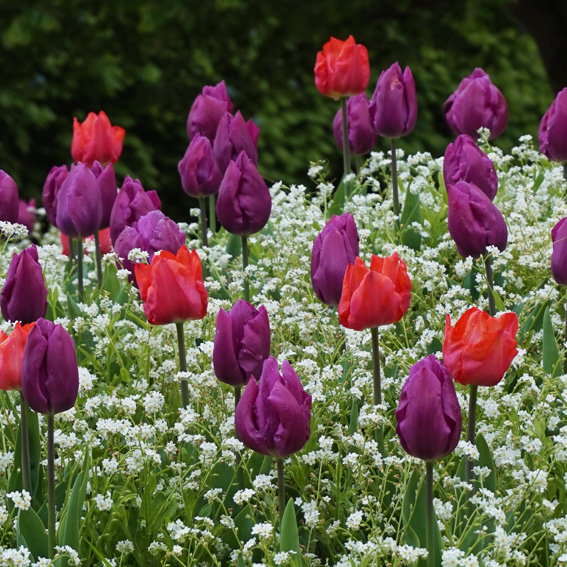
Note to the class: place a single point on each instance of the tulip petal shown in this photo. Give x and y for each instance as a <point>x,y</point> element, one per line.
<point>226,365</point>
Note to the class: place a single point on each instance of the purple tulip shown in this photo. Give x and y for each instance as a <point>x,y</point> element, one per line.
<point>9,201</point>
<point>553,129</point>
<point>106,181</point>
<point>26,214</point>
<point>233,137</point>
<point>476,103</point>
<point>474,220</point>
<point>428,417</point>
<point>132,202</point>
<point>24,295</point>
<point>361,135</point>
<point>198,170</point>
<point>51,188</point>
<point>242,343</point>
<point>464,160</point>
<point>335,247</point>
<point>244,202</point>
<point>393,107</point>
<point>273,416</point>
<point>207,111</point>
<point>50,375</point>
<point>559,254</point>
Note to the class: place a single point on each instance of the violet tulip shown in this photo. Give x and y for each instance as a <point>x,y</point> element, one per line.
<point>335,247</point>
<point>199,173</point>
<point>553,129</point>
<point>559,254</point>
<point>393,107</point>
<point>274,415</point>
<point>106,181</point>
<point>26,214</point>
<point>476,103</point>
<point>51,188</point>
<point>24,295</point>
<point>207,111</point>
<point>474,220</point>
<point>9,201</point>
<point>464,160</point>
<point>242,343</point>
<point>429,419</point>
<point>361,135</point>
<point>234,136</point>
<point>244,202</point>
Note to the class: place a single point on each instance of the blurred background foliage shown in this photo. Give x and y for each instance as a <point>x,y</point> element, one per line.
<point>143,62</point>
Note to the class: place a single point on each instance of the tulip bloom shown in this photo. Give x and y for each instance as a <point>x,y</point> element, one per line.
<point>376,296</point>
<point>233,137</point>
<point>342,68</point>
<point>50,375</point>
<point>559,254</point>
<point>199,173</point>
<point>274,415</point>
<point>106,181</point>
<point>474,220</point>
<point>51,188</point>
<point>479,349</point>
<point>26,214</point>
<point>334,249</point>
<point>361,135</point>
<point>476,103</point>
<point>11,356</point>
<point>9,201</point>
<point>244,202</point>
<point>428,418</point>
<point>242,343</point>
<point>393,108</point>
<point>207,111</point>
<point>464,160</point>
<point>172,287</point>
<point>24,295</point>
<point>104,239</point>
<point>553,129</point>
<point>96,139</point>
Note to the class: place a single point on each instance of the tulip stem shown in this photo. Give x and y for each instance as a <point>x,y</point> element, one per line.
<point>491,302</point>
<point>203,207</point>
<point>281,487</point>
<point>71,250</point>
<point>346,145</point>
<point>26,473</point>
<point>395,198</point>
<point>212,214</point>
<point>182,364</point>
<point>565,171</point>
<point>98,258</point>
<point>50,485</point>
<point>237,394</point>
<point>470,430</point>
<point>376,366</point>
<point>244,264</point>
<point>430,517</point>
<point>80,267</point>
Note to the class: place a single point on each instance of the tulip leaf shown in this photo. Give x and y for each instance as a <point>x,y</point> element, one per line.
<point>411,213</point>
<point>289,537</point>
<point>113,285</point>
<point>31,533</point>
<point>534,320</point>
<point>338,199</point>
<point>234,245</point>
<point>353,420</point>
<point>485,460</point>
<point>551,362</point>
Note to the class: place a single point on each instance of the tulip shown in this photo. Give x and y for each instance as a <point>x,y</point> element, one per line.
<point>51,188</point>
<point>26,214</point>
<point>106,181</point>
<point>24,295</point>
<point>233,137</point>
<point>274,414</point>
<point>334,249</point>
<point>393,108</point>
<point>342,68</point>
<point>361,135</point>
<point>479,349</point>
<point>559,254</point>
<point>242,343</point>
<point>244,202</point>
<point>199,173</point>
<point>172,287</point>
<point>11,356</point>
<point>207,111</point>
<point>9,203</point>
<point>132,203</point>
<point>428,418</point>
<point>476,103</point>
<point>553,129</point>
<point>105,242</point>
<point>96,139</point>
<point>474,220</point>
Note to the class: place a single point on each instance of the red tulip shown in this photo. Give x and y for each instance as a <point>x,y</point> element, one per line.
<point>376,296</point>
<point>11,356</point>
<point>479,348</point>
<point>103,236</point>
<point>172,287</point>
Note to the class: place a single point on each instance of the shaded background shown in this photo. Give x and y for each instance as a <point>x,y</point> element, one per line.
<point>144,62</point>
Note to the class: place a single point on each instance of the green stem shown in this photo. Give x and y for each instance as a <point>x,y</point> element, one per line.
<point>203,207</point>
<point>71,250</point>
<point>346,145</point>
<point>565,361</point>
<point>244,264</point>
<point>212,214</point>
<point>80,268</point>
<point>98,258</point>
<point>237,395</point>
<point>488,269</point>
<point>565,171</point>
<point>376,366</point>
<point>51,485</point>
<point>182,364</point>
<point>430,518</point>
<point>281,487</point>
<point>470,429</point>
<point>395,198</point>
<point>26,471</point>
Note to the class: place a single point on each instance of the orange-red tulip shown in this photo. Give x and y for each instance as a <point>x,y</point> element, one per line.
<point>172,287</point>
<point>11,356</point>
<point>479,349</point>
<point>376,296</point>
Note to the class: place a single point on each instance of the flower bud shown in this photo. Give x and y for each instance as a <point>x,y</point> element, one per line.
<point>553,129</point>
<point>207,111</point>
<point>199,173</point>
<point>106,181</point>
<point>559,254</point>
<point>50,193</point>
<point>233,137</point>
<point>26,214</point>
<point>11,356</point>
<point>9,201</point>
<point>361,135</point>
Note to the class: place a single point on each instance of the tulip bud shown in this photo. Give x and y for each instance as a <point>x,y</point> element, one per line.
<point>50,193</point>
<point>24,295</point>
<point>474,220</point>
<point>464,160</point>
<point>233,137</point>
<point>342,68</point>
<point>479,349</point>
<point>429,419</point>
<point>50,375</point>
<point>476,103</point>
<point>244,202</point>
<point>199,173</point>
<point>9,202</point>
<point>11,356</point>
<point>242,343</point>
<point>393,108</point>
<point>207,111</point>
<point>559,254</point>
<point>273,416</point>
<point>26,214</point>
<point>361,135</point>
<point>553,129</point>
<point>106,181</point>
<point>334,249</point>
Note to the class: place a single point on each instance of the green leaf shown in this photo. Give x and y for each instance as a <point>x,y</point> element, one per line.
<point>411,213</point>
<point>353,420</point>
<point>413,506</point>
<point>234,245</point>
<point>551,362</point>
<point>485,460</point>
<point>289,537</point>
<point>31,533</point>
<point>337,203</point>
